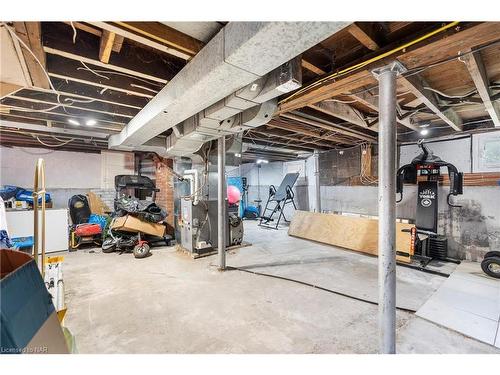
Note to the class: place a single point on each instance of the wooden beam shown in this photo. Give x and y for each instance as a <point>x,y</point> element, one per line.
<point>342,111</point>
<point>371,101</point>
<point>155,35</point>
<point>106,46</point>
<point>416,84</point>
<point>269,142</point>
<point>278,124</point>
<point>30,34</point>
<point>365,36</point>
<point>311,67</point>
<point>436,48</point>
<point>479,76</point>
<point>323,124</point>
<point>7,89</point>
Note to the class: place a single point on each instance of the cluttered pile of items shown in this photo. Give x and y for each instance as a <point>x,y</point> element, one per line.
<point>136,223</point>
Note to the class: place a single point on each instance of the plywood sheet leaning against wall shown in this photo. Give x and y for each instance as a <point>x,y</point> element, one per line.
<point>350,232</point>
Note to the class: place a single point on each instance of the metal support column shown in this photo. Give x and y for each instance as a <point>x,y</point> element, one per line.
<point>317,184</point>
<point>221,201</point>
<point>387,209</point>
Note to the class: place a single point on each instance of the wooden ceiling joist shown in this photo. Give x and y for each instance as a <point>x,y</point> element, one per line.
<point>268,142</point>
<point>71,70</point>
<point>134,60</point>
<point>342,111</point>
<point>155,35</point>
<point>292,137</point>
<point>319,133</point>
<point>67,102</point>
<point>30,34</point>
<point>312,68</point>
<point>7,89</point>
<point>328,125</point>
<point>477,71</point>
<point>365,34</point>
<point>416,85</point>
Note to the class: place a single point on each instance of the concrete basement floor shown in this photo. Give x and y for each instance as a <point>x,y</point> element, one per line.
<point>170,303</point>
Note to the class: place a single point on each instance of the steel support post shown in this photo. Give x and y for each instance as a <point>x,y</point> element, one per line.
<point>387,209</point>
<point>221,201</point>
<point>317,184</point>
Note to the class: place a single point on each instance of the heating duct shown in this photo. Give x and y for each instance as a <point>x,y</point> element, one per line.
<point>215,93</point>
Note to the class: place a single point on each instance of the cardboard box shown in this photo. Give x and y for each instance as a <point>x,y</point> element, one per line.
<point>130,223</point>
<point>29,322</point>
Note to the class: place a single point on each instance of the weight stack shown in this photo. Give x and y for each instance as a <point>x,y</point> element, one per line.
<point>438,248</point>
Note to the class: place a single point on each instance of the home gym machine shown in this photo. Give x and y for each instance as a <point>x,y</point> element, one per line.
<point>425,240</point>
<point>281,197</point>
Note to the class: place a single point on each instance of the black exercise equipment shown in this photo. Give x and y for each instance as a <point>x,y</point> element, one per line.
<point>281,197</point>
<point>425,239</point>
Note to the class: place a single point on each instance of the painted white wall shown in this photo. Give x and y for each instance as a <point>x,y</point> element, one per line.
<point>63,169</point>
<point>115,163</point>
<point>456,152</point>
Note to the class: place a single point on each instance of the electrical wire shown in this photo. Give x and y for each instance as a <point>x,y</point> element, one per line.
<point>230,268</point>
<point>52,145</point>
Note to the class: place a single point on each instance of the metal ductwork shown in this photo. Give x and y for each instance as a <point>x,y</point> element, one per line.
<point>242,53</point>
<point>247,108</point>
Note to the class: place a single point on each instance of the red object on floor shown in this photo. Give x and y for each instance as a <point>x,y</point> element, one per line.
<point>83,230</point>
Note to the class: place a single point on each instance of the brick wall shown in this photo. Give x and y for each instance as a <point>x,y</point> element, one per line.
<point>165,182</point>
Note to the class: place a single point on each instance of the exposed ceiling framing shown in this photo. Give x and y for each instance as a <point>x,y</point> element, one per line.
<point>108,71</point>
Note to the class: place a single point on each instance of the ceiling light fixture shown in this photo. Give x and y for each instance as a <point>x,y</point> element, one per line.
<point>73,122</point>
<point>262,161</point>
<point>91,122</point>
<point>424,131</point>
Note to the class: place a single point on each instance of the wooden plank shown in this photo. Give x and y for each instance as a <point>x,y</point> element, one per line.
<point>416,84</point>
<point>348,232</point>
<point>477,71</point>
<point>363,35</point>
<point>97,206</point>
<point>311,67</point>
<point>106,46</point>
<point>30,34</point>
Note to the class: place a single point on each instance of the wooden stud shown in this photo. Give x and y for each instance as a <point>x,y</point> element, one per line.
<point>117,45</point>
<point>477,71</point>
<point>106,46</point>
